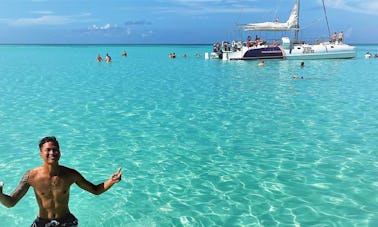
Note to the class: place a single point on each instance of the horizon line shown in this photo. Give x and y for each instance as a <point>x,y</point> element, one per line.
<point>117,44</point>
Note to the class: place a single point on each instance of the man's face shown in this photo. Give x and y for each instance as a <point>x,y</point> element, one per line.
<point>50,153</point>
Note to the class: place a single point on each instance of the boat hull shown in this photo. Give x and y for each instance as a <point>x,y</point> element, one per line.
<point>254,53</point>
<point>320,51</point>
<point>293,52</point>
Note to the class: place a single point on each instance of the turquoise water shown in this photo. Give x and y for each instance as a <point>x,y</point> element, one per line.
<point>201,142</point>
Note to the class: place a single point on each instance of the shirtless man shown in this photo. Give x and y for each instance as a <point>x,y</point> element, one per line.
<point>51,183</point>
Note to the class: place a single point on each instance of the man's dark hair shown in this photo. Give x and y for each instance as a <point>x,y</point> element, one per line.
<point>47,139</point>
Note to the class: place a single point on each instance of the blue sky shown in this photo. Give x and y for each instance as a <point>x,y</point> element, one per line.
<point>174,21</point>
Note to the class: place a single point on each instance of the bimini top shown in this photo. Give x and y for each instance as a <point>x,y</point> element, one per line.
<point>291,24</point>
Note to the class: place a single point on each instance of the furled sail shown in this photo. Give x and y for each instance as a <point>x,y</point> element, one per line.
<point>290,24</point>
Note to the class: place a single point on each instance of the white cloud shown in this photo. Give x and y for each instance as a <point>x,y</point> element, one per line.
<point>200,7</point>
<point>197,7</point>
<point>355,6</point>
<point>105,27</point>
<point>198,10</point>
<point>147,34</point>
<point>46,18</point>
<point>42,20</point>
<point>42,12</point>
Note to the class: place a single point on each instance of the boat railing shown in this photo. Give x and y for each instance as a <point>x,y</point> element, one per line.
<point>250,44</point>
<point>319,40</point>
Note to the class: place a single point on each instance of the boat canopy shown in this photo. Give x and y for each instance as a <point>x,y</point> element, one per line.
<point>291,24</point>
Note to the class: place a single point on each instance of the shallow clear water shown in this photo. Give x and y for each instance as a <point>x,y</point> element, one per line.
<point>201,142</point>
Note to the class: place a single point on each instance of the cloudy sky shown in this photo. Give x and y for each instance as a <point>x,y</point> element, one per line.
<point>174,21</point>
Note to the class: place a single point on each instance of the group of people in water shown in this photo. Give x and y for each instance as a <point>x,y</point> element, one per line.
<point>262,63</point>
<point>108,59</point>
<point>173,55</point>
<point>295,77</point>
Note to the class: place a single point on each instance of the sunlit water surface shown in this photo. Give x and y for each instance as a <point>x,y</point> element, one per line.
<point>201,142</point>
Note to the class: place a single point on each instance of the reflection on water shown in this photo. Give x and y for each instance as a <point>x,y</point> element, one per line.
<point>201,143</point>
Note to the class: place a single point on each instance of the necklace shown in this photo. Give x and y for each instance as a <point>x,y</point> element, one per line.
<point>54,182</point>
<point>54,179</point>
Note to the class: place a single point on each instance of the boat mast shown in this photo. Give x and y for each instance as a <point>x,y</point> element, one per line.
<point>326,17</point>
<point>297,26</point>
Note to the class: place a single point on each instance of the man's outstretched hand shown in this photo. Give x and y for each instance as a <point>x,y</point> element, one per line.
<point>117,176</point>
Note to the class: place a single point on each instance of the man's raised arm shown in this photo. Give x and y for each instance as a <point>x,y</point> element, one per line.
<point>11,200</point>
<point>100,188</point>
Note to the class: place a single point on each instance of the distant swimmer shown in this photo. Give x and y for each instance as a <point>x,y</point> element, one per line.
<point>302,64</point>
<point>172,55</point>
<point>368,55</point>
<point>261,63</point>
<point>99,58</point>
<point>124,54</point>
<point>108,58</point>
<point>295,77</point>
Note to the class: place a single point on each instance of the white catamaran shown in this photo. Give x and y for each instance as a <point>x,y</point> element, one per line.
<point>288,49</point>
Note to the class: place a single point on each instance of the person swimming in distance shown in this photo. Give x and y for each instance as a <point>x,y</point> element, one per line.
<point>99,58</point>
<point>261,63</point>
<point>108,59</point>
<point>124,54</point>
<point>295,77</point>
<point>302,64</point>
<point>172,55</point>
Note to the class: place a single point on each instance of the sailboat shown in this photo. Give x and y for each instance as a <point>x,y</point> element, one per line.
<point>287,49</point>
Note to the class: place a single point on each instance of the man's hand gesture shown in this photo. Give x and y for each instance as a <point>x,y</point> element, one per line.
<point>117,176</point>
